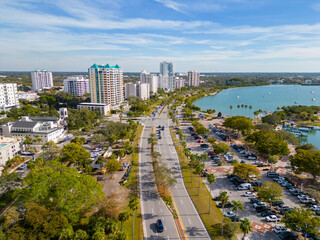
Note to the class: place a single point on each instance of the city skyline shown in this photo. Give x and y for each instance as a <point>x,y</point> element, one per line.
<point>219,36</point>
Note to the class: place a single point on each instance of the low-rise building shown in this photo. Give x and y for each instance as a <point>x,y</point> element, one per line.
<point>48,129</point>
<point>9,148</point>
<point>102,108</point>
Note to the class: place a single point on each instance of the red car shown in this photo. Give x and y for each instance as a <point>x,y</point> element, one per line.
<point>211,153</point>
<point>200,141</point>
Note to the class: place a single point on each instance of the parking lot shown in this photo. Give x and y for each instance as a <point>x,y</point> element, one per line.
<point>259,223</point>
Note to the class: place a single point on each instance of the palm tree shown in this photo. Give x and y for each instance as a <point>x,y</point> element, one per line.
<point>242,105</point>
<point>224,199</point>
<point>199,171</point>
<point>231,109</point>
<point>122,217</point>
<point>152,140</point>
<point>237,205</point>
<point>238,106</point>
<point>211,179</point>
<point>133,205</point>
<point>245,227</point>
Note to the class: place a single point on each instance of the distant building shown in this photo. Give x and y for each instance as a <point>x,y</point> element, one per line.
<point>30,96</point>
<point>41,80</point>
<point>130,90</point>
<point>167,78</point>
<point>47,128</point>
<point>101,108</point>
<point>9,148</point>
<point>8,95</point>
<point>193,79</point>
<point>144,91</point>
<point>77,85</point>
<point>106,84</point>
<point>138,89</point>
<point>180,83</point>
<point>152,79</point>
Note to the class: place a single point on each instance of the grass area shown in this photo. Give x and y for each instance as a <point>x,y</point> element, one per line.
<point>132,185</point>
<point>212,221</point>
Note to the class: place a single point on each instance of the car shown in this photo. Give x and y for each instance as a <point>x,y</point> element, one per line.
<point>259,163</point>
<point>159,137</point>
<point>188,128</point>
<point>289,186</point>
<point>283,211</point>
<point>229,214</point>
<point>257,183</point>
<point>267,213</point>
<point>251,157</point>
<point>200,141</point>
<point>215,158</point>
<point>243,161</point>
<point>227,205</point>
<point>288,235</point>
<point>259,204</point>
<point>315,207</point>
<point>262,209</point>
<point>317,212</point>
<point>204,145</point>
<point>301,196</point>
<point>211,153</point>
<point>234,218</point>
<point>277,203</point>
<point>249,194</point>
<point>160,227</point>
<point>279,229</point>
<point>282,206</point>
<point>254,200</point>
<point>244,186</point>
<point>284,183</point>
<point>273,218</point>
<point>162,128</point>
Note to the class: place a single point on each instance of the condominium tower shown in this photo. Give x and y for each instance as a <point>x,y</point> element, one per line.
<point>8,95</point>
<point>152,79</point>
<point>41,79</point>
<point>106,84</point>
<point>193,79</point>
<point>77,85</point>
<point>167,79</point>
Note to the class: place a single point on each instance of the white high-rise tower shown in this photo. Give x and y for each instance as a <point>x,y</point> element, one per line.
<point>167,79</point>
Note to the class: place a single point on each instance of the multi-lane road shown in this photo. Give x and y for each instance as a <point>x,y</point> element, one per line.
<point>152,206</point>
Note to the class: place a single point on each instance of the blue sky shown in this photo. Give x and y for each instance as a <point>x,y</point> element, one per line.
<point>207,35</point>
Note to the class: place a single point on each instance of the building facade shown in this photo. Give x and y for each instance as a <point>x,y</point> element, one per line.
<point>101,108</point>
<point>193,78</point>
<point>130,90</point>
<point>41,80</point>
<point>9,148</point>
<point>144,91</point>
<point>106,84</point>
<point>77,85</point>
<point>152,79</point>
<point>8,95</point>
<point>180,83</point>
<point>167,78</point>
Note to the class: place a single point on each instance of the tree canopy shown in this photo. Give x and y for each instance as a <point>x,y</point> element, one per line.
<point>270,191</point>
<point>239,123</point>
<point>246,171</point>
<point>73,153</point>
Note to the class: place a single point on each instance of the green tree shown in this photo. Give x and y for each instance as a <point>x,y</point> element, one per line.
<point>220,148</point>
<point>10,181</point>
<point>246,171</point>
<point>306,161</point>
<point>152,140</point>
<point>239,123</point>
<point>112,166</point>
<point>73,153</point>
<point>224,199</point>
<point>264,127</point>
<point>122,217</point>
<point>97,139</point>
<point>49,150</point>
<point>245,227</point>
<point>81,235</point>
<point>199,171</point>
<point>211,178</point>
<point>307,146</point>
<point>271,119</point>
<point>270,191</point>
<point>237,205</point>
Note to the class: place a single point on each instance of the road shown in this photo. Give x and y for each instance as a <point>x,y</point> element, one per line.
<point>190,218</point>
<point>153,207</point>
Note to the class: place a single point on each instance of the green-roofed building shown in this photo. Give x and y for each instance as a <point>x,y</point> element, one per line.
<point>106,84</point>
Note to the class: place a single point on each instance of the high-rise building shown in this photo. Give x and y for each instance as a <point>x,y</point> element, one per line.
<point>152,79</point>
<point>106,84</point>
<point>130,90</point>
<point>144,91</point>
<point>41,79</point>
<point>167,79</point>
<point>76,85</point>
<point>8,95</point>
<point>193,78</point>
<point>180,83</point>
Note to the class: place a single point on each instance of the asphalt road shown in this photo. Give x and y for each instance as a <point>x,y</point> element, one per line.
<point>153,207</point>
<point>190,218</point>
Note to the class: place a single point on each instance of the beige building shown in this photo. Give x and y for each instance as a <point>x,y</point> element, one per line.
<point>180,83</point>
<point>102,108</point>
<point>193,78</point>
<point>9,148</point>
<point>106,84</point>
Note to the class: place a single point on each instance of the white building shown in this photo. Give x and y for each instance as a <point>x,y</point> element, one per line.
<point>193,78</point>
<point>101,108</point>
<point>180,83</point>
<point>47,128</point>
<point>77,85</point>
<point>144,91</point>
<point>130,90</point>
<point>8,95</point>
<point>9,148</point>
<point>41,80</point>
<point>167,78</point>
<point>30,96</point>
<point>152,79</point>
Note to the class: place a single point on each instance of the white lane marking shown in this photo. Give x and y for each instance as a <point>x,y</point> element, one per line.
<point>168,237</point>
<point>151,210</point>
<point>160,210</point>
<point>159,203</point>
<point>189,221</point>
<point>162,218</point>
<point>181,201</point>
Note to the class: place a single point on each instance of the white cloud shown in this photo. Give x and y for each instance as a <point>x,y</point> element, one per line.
<point>316,6</point>
<point>172,5</point>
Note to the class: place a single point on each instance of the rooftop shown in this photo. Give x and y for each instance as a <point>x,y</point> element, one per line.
<point>93,104</point>
<point>106,66</point>
<point>24,124</point>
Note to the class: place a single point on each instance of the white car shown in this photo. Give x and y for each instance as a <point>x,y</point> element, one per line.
<point>301,196</point>
<point>279,229</point>
<point>249,194</point>
<point>315,207</point>
<point>258,204</point>
<point>273,218</point>
<point>229,214</point>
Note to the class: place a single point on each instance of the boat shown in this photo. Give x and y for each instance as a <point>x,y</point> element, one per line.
<point>313,99</point>
<point>316,127</point>
<point>238,97</point>
<point>269,92</point>
<point>312,91</point>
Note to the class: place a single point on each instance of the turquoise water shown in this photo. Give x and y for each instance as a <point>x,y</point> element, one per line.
<point>266,98</point>
<point>2,145</point>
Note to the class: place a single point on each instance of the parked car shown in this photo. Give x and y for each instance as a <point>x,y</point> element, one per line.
<point>280,229</point>
<point>262,209</point>
<point>251,157</point>
<point>273,218</point>
<point>283,211</point>
<point>267,213</point>
<point>204,145</point>
<point>200,141</point>
<point>244,186</point>
<point>229,214</point>
<point>257,183</point>
<point>160,227</point>
<point>249,194</point>
<point>211,153</point>
<point>254,200</point>
<point>277,203</point>
<point>288,235</point>
<point>234,218</point>
<point>227,205</point>
<point>259,204</point>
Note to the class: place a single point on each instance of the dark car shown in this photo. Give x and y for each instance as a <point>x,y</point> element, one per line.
<point>160,227</point>
<point>262,209</point>
<point>267,213</point>
<point>234,218</point>
<point>204,145</point>
<point>162,128</point>
<point>254,200</point>
<point>283,211</point>
<point>227,205</point>
<point>277,203</point>
<point>288,235</point>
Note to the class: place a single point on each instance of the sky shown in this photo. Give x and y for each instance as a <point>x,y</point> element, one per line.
<point>206,35</point>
